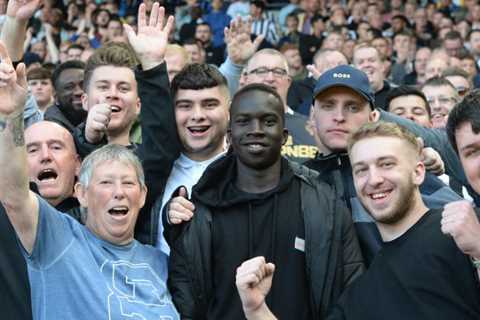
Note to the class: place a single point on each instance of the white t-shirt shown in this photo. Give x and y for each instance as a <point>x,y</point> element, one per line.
<point>185,172</point>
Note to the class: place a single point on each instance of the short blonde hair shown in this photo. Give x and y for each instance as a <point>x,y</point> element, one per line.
<point>366,45</point>
<point>384,129</point>
<point>175,49</point>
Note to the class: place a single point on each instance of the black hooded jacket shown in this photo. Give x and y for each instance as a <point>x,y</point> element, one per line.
<point>230,226</point>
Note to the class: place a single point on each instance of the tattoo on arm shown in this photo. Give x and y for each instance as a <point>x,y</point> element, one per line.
<point>17,130</point>
<point>15,125</point>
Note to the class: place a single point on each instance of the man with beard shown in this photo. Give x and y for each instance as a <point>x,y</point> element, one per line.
<point>420,273</point>
<point>343,102</point>
<point>253,202</point>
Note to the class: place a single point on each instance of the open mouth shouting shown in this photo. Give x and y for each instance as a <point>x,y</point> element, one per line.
<point>47,176</point>
<point>198,131</point>
<point>118,212</point>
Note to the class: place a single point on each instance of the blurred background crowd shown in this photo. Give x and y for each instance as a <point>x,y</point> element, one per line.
<point>416,40</point>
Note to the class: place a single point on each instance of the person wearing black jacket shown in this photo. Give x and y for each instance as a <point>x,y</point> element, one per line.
<point>343,102</point>
<point>160,144</point>
<point>15,300</point>
<point>422,272</point>
<point>67,109</point>
<point>252,202</point>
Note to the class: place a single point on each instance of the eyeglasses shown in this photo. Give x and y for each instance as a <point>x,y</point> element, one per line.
<point>263,72</point>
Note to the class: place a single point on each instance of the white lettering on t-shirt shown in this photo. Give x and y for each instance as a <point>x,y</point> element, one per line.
<point>136,292</point>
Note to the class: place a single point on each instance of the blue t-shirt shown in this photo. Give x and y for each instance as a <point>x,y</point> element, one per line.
<point>75,275</point>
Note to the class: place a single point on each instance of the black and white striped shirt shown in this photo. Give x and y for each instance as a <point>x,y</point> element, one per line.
<point>265,27</point>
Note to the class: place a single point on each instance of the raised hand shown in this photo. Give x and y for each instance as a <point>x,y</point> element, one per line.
<point>240,47</point>
<point>460,221</point>
<point>254,280</point>
<point>22,9</point>
<point>313,71</point>
<point>97,122</point>
<point>433,161</point>
<point>13,85</point>
<point>151,40</point>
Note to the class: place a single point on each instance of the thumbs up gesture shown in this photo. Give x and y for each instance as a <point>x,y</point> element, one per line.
<point>179,208</point>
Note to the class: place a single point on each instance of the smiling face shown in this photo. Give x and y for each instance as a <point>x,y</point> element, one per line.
<point>52,160</point>
<point>277,81</point>
<point>386,181</point>
<point>202,120</point>
<point>113,197</point>
<point>368,60</point>
<point>69,89</point>
<point>257,131</point>
<point>468,144</point>
<point>441,99</point>
<point>411,107</point>
<point>117,87</point>
<point>338,112</point>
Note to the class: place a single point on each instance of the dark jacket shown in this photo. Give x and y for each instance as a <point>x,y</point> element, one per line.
<point>438,140</point>
<point>381,96</point>
<point>56,114</point>
<point>335,169</point>
<point>300,95</point>
<point>160,145</point>
<point>332,254</point>
<point>15,298</point>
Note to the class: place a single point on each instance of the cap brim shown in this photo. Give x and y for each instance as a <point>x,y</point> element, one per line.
<point>333,85</point>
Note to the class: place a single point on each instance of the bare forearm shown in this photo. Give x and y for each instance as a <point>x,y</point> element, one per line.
<point>20,203</point>
<point>52,49</point>
<point>14,188</point>
<point>262,313</point>
<point>13,36</point>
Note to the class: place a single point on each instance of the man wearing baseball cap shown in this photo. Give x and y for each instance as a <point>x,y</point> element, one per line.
<point>344,102</point>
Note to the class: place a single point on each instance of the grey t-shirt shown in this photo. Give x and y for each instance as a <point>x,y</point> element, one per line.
<point>75,275</point>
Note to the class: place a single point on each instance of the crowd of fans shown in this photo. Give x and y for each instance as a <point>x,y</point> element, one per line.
<point>324,153</point>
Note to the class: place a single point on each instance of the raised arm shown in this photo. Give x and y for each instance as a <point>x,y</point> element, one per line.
<point>151,40</point>
<point>21,204</point>
<point>254,280</point>
<point>160,144</point>
<point>15,26</point>
<point>240,48</point>
<point>53,51</point>
<point>13,35</point>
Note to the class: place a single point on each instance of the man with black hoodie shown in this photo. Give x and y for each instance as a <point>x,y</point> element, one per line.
<point>252,202</point>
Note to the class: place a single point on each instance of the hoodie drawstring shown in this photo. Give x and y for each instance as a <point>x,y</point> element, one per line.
<point>250,231</point>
